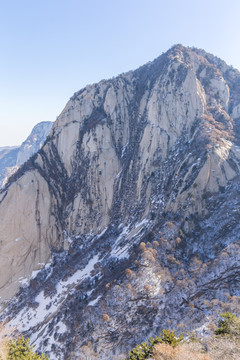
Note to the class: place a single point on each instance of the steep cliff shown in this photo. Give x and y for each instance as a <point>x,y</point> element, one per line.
<point>11,158</point>
<point>131,210</point>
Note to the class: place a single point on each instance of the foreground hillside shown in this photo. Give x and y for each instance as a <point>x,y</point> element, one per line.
<point>224,344</point>
<point>127,220</point>
<point>214,349</point>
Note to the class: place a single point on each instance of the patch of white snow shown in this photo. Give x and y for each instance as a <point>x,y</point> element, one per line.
<point>94,302</point>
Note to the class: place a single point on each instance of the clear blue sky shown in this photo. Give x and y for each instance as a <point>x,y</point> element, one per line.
<point>52,48</point>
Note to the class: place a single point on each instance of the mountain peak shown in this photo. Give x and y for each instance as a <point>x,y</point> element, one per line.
<point>126,220</point>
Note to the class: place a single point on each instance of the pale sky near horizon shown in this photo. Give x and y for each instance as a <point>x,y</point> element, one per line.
<point>52,48</point>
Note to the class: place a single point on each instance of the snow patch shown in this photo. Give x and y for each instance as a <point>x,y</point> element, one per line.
<point>143,222</point>
<point>102,233</point>
<point>124,149</point>
<point>94,302</point>
<point>23,281</point>
<point>62,328</point>
<point>121,247</point>
<point>48,305</point>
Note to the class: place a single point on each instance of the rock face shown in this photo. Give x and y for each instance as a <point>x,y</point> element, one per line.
<point>133,204</point>
<point>11,158</point>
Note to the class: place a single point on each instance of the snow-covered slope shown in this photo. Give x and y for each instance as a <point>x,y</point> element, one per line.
<point>130,211</point>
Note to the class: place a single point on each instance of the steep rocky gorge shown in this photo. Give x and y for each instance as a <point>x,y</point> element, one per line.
<point>130,210</point>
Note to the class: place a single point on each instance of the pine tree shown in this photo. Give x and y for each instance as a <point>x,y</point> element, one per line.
<point>21,349</point>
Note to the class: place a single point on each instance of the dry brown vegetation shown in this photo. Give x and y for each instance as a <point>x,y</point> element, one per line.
<point>87,352</point>
<point>130,273</point>
<point>224,348</point>
<point>181,352</point>
<point>215,348</point>
<point>4,341</point>
<point>105,317</point>
<point>218,348</point>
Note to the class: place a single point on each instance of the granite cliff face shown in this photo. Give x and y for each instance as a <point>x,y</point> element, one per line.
<point>130,210</point>
<point>11,158</point>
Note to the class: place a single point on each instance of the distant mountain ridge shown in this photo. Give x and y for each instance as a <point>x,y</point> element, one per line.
<point>6,148</point>
<point>12,157</point>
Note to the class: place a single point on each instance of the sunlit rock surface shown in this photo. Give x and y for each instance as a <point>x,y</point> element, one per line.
<point>130,210</point>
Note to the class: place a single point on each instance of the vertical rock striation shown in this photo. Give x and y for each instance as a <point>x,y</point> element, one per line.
<point>151,156</point>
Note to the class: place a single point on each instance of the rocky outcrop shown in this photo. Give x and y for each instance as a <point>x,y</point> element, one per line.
<point>151,158</point>
<point>11,158</point>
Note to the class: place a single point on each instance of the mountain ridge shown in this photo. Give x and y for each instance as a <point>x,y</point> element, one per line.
<point>133,203</point>
<point>12,157</point>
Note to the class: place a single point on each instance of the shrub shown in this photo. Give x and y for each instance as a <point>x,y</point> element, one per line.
<point>229,324</point>
<point>142,246</point>
<point>130,273</point>
<point>21,349</point>
<point>87,352</point>
<point>170,337</point>
<point>147,288</point>
<point>145,349</point>
<point>141,351</point>
<point>178,240</point>
<point>105,317</point>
